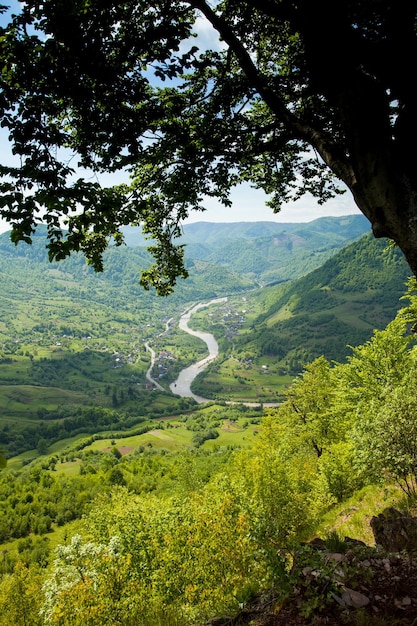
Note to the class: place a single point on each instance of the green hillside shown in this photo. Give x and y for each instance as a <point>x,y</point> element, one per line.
<point>120,278</point>
<point>269,252</point>
<point>340,303</point>
<point>230,514</point>
<point>336,306</point>
<point>72,342</point>
<point>266,252</point>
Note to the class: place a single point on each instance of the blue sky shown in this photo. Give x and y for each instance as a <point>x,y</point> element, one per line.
<point>248,204</point>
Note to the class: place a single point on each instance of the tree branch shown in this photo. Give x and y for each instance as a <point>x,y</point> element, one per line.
<point>253,75</point>
<point>324,146</point>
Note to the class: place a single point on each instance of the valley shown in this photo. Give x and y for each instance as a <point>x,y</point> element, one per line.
<point>107,441</point>
<point>75,346</point>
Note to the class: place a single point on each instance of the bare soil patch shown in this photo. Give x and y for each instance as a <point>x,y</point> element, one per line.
<point>160,435</point>
<point>122,449</point>
<point>230,427</point>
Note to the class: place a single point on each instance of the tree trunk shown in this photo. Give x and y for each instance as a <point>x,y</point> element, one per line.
<point>380,164</point>
<point>389,201</point>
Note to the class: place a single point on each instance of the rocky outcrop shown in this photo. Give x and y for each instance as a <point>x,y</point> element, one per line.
<point>395,531</point>
<point>349,583</point>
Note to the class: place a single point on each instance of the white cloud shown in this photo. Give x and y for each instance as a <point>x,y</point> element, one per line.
<point>207,37</point>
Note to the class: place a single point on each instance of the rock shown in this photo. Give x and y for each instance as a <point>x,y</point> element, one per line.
<point>354,599</point>
<point>336,557</point>
<point>395,531</point>
<point>317,544</point>
<point>353,542</point>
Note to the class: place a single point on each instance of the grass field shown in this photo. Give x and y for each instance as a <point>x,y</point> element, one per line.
<point>16,400</point>
<point>176,436</point>
<point>234,380</point>
<point>233,424</point>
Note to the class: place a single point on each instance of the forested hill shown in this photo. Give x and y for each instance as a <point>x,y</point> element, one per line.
<point>338,304</point>
<point>331,229</point>
<point>229,256</point>
<point>266,251</point>
<point>26,267</point>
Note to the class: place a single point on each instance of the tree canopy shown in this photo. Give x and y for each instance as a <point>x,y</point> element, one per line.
<point>292,97</point>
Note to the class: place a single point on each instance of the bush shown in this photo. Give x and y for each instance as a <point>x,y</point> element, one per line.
<point>200,437</point>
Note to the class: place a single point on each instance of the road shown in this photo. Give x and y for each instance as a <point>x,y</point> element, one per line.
<point>149,372</point>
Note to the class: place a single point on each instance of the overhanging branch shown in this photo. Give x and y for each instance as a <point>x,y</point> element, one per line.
<point>297,129</point>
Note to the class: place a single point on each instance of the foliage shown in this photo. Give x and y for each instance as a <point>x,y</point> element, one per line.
<point>307,415</point>
<point>94,579</point>
<point>269,335</point>
<point>276,494</point>
<point>20,597</point>
<point>358,418</point>
<point>388,441</point>
<point>200,437</point>
<point>122,86</point>
<point>191,556</point>
<point>212,528</point>
<point>337,476</point>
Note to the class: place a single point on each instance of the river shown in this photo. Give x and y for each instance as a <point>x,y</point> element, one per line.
<point>182,386</point>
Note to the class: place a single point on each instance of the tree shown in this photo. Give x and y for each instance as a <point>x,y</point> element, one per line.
<point>292,97</point>
<point>307,416</point>
<point>90,585</point>
<point>42,446</point>
<point>20,597</point>
<point>386,437</point>
<point>380,392</point>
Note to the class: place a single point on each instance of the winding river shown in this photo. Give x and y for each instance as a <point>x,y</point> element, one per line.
<point>182,386</point>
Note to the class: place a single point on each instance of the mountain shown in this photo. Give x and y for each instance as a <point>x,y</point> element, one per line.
<point>29,266</point>
<point>216,234</point>
<point>338,304</point>
<point>266,252</point>
<point>220,258</point>
<point>335,229</point>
